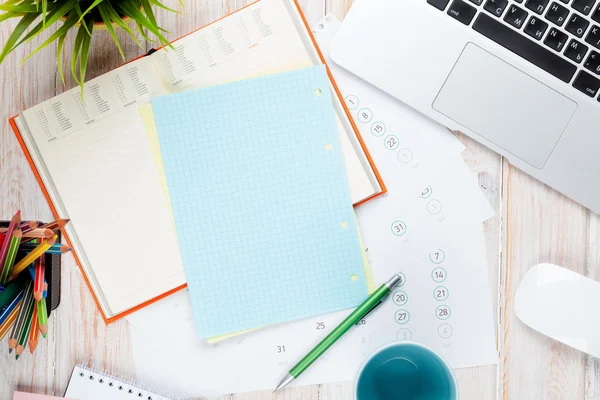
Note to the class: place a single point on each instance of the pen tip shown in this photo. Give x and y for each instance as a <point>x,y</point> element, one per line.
<point>17,357</point>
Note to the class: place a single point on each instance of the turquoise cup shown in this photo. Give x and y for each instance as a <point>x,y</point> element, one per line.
<point>405,371</point>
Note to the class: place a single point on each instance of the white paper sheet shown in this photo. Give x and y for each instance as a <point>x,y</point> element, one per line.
<point>460,328</point>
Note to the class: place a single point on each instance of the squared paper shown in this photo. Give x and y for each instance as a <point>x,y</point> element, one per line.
<point>261,201</point>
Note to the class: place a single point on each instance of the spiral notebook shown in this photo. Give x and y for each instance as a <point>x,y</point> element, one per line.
<point>86,384</point>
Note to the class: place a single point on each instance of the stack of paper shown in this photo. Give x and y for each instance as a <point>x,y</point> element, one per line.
<point>428,227</point>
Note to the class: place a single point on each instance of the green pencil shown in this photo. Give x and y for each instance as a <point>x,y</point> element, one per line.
<point>43,317</point>
<point>11,255</point>
<point>24,334</point>
<point>359,313</point>
<point>13,340</point>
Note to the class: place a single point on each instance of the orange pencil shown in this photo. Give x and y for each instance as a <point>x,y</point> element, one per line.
<point>34,333</point>
<point>38,233</point>
<point>9,322</point>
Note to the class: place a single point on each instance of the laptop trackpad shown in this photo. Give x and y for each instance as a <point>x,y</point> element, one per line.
<point>504,105</point>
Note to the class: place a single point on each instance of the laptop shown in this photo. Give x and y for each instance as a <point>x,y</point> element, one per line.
<point>520,76</point>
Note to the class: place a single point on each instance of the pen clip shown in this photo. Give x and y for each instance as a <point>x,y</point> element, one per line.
<point>369,312</point>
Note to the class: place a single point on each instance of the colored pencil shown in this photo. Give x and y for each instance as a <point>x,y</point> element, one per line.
<point>1,239</point>
<point>43,317</point>
<point>11,306</point>
<point>14,222</point>
<point>5,327</point>
<point>31,270</point>
<point>56,248</point>
<point>13,339</point>
<point>13,248</point>
<point>24,225</point>
<point>37,233</point>
<point>58,224</point>
<point>29,258</point>
<point>38,282</point>
<point>25,329</point>
<point>34,332</point>
<point>29,226</point>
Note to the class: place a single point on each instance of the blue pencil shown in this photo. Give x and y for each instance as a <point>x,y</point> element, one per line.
<point>10,307</point>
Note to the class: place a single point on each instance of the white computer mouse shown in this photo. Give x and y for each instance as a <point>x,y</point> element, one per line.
<point>561,304</point>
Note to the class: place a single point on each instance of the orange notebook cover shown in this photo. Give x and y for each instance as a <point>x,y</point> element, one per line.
<point>268,34</point>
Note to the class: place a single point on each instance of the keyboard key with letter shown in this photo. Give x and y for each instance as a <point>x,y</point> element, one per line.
<point>576,51</point>
<point>583,6</point>
<point>593,62</point>
<point>587,84</point>
<point>496,7</point>
<point>557,14</point>
<point>593,37</point>
<point>462,11</point>
<point>536,27</point>
<point>556,39</point>
<point>596,14</point>
<point>577,25</point>
<point>537,6</point>
<point>516,16</point>
<point>524,47</point>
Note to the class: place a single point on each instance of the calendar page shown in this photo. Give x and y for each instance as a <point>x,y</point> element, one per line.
<point>428,227</point>
<point>443,301</point>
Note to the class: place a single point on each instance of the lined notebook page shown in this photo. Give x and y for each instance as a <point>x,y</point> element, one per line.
<point>100,167</point>
<point>261,201</point>
<point>86,384</point>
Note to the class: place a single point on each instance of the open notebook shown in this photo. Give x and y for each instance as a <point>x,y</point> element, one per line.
<point>95,164</point>
<point>87,384</point>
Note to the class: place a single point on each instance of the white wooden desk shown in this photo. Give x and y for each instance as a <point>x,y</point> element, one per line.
<point>533,224</point>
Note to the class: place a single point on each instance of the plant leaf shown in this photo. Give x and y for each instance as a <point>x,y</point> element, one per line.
<point>53,16</point>
<point>141,31</point>
<point>115,17</point>
<point>90,8</point>
<point>81,32</point>
<point>161,5</point>
<point>85,49</point>
<point>149,13</point>
<point>107,21</point>
<point>44,11</point>
<point>24,8</point>
<point>69,23</point>
<point>61,42</point>
<point>16,34</point>
<point>78,9</point>
<point>130,10</point>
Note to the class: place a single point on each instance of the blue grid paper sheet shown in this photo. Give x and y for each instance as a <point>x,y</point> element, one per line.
<point>261,201</point>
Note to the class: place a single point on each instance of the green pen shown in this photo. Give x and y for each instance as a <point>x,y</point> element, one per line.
<point>361,311</point>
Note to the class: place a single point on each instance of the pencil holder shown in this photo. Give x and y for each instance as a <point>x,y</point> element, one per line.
<point>52,273</point>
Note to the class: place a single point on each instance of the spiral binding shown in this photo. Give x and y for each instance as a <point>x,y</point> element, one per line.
<point>103,377</point>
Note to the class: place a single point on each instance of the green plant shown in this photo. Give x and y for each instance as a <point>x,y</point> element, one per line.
<point>82,14</point>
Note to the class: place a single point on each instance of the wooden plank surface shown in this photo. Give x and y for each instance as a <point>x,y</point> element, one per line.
<point>533,224</point>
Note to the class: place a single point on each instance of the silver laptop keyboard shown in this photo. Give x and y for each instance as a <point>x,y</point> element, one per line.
<point>561,37</point>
